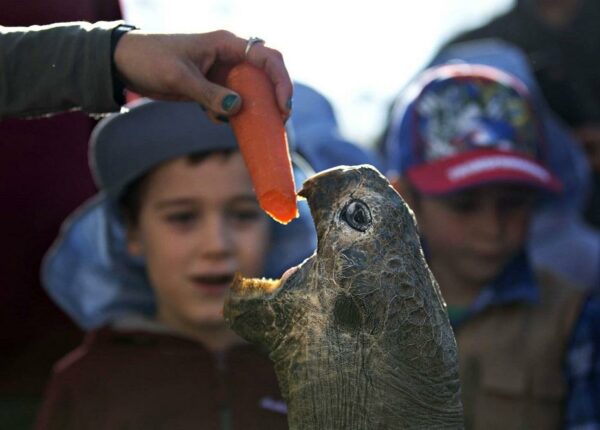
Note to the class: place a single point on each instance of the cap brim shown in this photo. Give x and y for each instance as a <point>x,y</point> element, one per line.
<point>479,167</point>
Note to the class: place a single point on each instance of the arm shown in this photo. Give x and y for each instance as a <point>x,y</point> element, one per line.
<point>52,68</point>
<point>66,66</point>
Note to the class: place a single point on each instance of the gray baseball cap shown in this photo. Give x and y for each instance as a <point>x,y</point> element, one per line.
<point>126,145</point>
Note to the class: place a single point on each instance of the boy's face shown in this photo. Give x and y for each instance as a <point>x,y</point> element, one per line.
<point>199,224</point>
<point>472,235</point>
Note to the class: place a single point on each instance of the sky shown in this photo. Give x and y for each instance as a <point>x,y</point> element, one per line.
<point>359,54</point>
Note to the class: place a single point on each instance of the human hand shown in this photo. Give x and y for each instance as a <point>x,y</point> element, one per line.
<point>589,136</point>
<point>174,67</point>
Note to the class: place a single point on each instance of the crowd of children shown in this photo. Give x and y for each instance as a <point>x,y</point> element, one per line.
<point>498,187</point>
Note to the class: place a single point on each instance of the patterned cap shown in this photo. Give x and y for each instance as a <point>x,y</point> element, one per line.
<point>467,125</point>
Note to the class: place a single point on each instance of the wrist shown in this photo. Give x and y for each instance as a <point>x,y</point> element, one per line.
<point>118,82</point>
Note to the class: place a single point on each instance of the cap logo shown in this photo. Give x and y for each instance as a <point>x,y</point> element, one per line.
<point>493,163</point>
<point>456,116</point>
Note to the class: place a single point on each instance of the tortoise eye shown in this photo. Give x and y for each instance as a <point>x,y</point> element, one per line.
<point>357,215</point>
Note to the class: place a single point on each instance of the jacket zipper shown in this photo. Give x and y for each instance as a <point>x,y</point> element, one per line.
<point>222,394</point>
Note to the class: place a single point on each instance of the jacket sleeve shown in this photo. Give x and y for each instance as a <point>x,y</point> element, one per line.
<point>582,368</point>
<point>54,68</point>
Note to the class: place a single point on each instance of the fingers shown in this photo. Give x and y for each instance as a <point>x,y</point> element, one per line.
<point>220,102</point>
<point>267,59</point>
<point>271,61</point>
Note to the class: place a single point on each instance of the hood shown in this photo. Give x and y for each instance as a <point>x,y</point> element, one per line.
<point>93,279</point>
<point>564,156</point>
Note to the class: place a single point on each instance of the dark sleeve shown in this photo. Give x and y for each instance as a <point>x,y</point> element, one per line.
<point>582,369</point>
<point>54,68</point>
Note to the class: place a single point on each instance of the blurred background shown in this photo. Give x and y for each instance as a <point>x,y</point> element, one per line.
<point>358,54</point>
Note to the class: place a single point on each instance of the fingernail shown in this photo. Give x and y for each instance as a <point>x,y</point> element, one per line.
<point>229,101</point>
<point>289,104</point>
<point>222,118</point>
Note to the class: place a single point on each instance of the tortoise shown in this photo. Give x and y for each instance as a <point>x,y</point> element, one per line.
<point>358,333</point>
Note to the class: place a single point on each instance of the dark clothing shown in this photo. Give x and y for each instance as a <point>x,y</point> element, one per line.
<point>566,61</point>
<point>583,408</point>
<point>143,380</point>
<point>44,175</point>
<point>56,68</point>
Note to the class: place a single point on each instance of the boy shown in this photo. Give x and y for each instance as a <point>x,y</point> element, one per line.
<point>466,152</point>
<point>558,222</point>
<point>145,267</point>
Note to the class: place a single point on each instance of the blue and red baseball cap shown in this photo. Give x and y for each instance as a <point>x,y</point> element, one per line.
<point>462,125</point>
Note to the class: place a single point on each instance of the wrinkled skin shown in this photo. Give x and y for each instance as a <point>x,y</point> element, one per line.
<point>358,333</point>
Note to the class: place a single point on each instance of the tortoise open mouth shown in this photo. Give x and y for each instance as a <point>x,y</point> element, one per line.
<point>256,287</point>
<point>252,287</point>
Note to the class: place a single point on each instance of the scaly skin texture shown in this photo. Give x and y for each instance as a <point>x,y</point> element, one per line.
<point>358,333</point>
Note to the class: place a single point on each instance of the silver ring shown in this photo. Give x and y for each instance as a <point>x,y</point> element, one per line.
<point>251,42</point>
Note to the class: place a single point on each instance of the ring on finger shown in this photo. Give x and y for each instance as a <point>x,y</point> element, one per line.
<point>251,42</point>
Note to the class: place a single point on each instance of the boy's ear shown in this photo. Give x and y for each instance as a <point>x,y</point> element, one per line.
<point>401,185</point>
<point>134,245</point>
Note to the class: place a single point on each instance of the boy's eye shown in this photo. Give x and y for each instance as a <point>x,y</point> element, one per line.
<point>503,202</point>
<point>181,218</point>
<point>462,203</point>
<point>245,214</point>
<point>517,201</point>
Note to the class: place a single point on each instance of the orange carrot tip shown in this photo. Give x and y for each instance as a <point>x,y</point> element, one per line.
<point>280,207</point>
<point>260,133</point>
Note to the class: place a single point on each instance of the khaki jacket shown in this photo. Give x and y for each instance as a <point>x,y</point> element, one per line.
<point>511,360</point>
<point>53,68</point>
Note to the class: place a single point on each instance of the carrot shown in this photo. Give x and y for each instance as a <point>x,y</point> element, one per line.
<point>260,133</point>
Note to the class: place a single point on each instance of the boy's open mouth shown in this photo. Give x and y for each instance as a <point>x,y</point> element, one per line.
<point>213,283</point>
